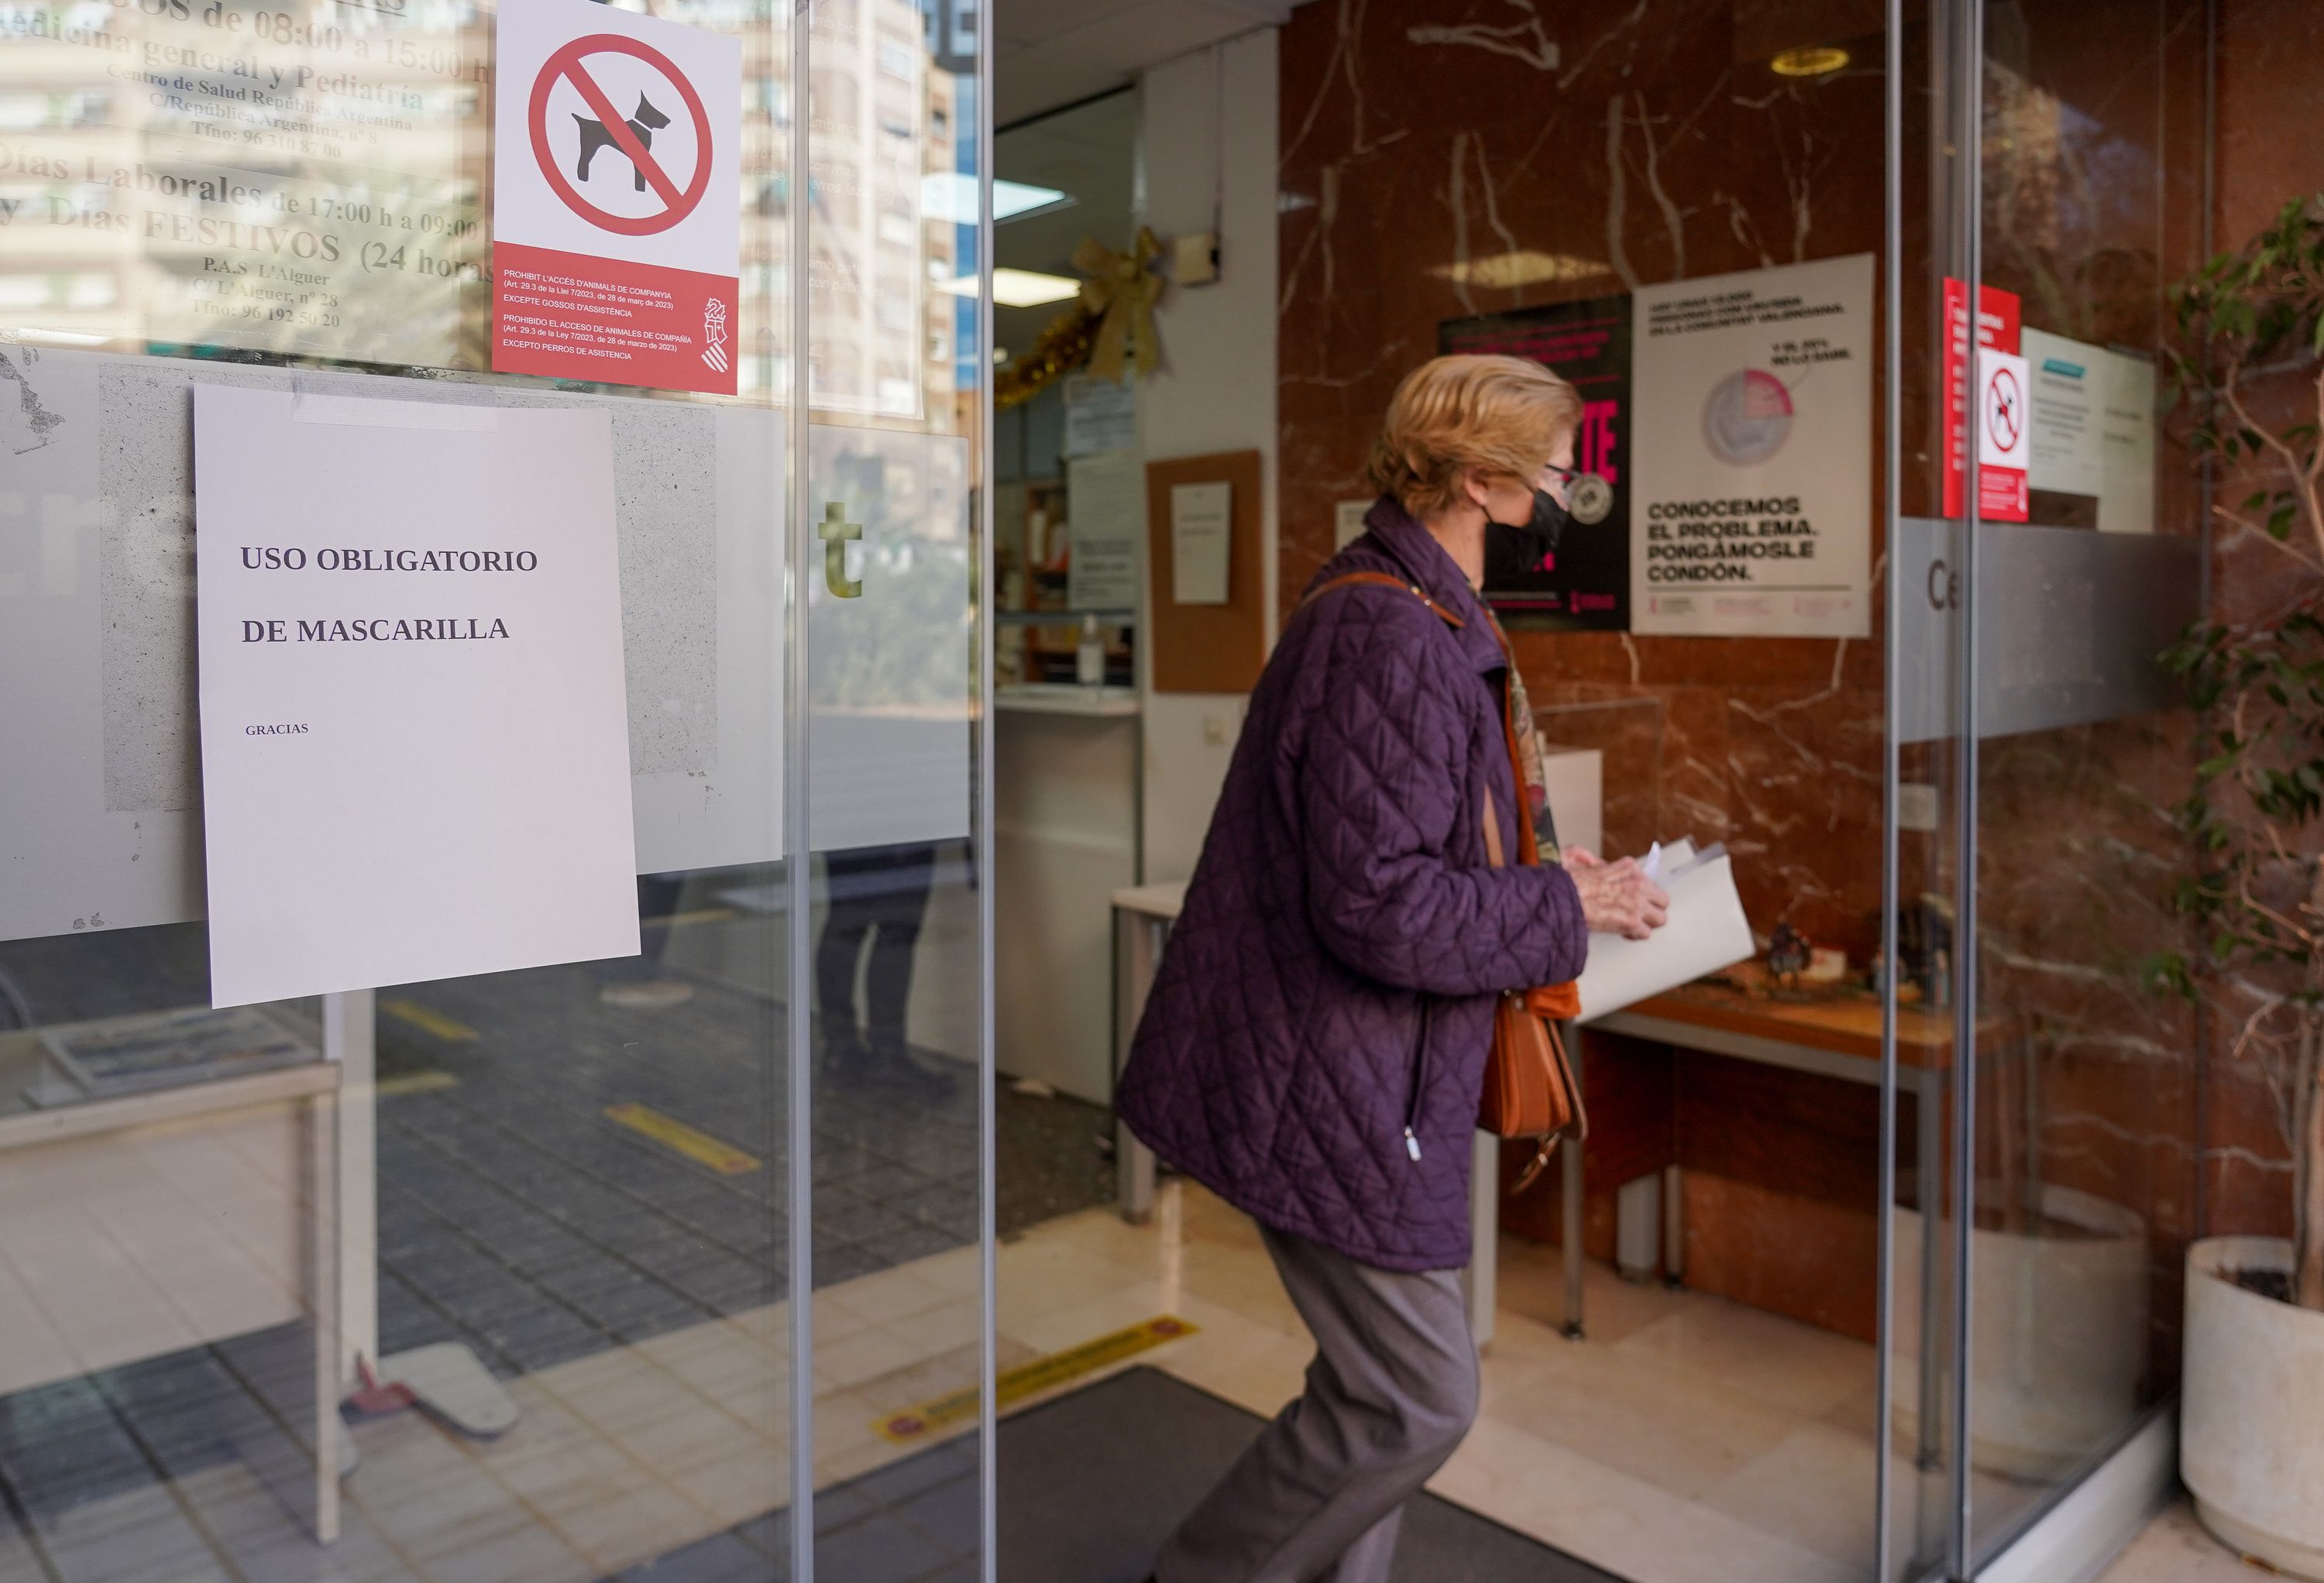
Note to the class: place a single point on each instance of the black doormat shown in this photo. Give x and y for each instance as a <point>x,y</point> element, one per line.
<point>1092,1483</point>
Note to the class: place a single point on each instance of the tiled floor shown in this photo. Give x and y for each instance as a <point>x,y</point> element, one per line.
<point>2175,1548</point>
<point>1686,1439</point>
<point>666,1460</point>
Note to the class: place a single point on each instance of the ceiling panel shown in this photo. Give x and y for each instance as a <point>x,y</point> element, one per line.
<point>1053,52</point>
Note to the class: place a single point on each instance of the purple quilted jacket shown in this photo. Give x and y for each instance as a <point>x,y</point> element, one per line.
<point>1316,1040</point>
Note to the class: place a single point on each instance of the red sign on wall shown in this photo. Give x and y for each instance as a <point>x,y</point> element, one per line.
<point>2001,489</point>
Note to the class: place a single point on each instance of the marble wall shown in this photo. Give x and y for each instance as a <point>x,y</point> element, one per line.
<point>1617,146</point>
<point>1620,145</point>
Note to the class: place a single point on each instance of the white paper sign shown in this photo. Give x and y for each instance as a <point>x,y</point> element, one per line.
<point>1105,500</point>
<point>1707,931</point>
<point>2093,428</point>
<point>415,759</point>
<point>1101,415</point>
<point>1752,467</point>
<point>1201,521</point>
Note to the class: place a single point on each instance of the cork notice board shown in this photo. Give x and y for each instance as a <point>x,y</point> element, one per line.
<point>1208,648</point>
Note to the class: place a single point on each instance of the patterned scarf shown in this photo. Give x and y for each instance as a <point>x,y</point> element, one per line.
<point>1536,774</point>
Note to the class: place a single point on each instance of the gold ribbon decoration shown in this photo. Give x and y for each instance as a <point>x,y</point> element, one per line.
<point>1063,347</point>
<point>1121,291</point>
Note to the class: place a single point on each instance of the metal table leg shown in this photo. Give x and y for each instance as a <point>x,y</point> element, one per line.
<point>1481,1278</point>
<point>323,1305</point>
<point>1138,947</point>
<point>1569,1205</point>
<point>1929,1103</point>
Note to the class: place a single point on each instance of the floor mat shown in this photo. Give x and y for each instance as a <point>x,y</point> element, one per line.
<point>1091,1483</point>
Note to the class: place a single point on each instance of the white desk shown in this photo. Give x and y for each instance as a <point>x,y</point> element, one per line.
<point>1142,916</point>
<point>150,1223</point>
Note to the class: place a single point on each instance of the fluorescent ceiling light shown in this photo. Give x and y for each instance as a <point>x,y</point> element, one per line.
<point>951,195</point>
<point>1522,268</point>
<point>65,337</point>
<point>1017,288</point>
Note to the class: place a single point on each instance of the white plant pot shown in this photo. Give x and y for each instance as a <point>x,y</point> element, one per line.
<point>2251,1424</point>
<point>2058,1345</point>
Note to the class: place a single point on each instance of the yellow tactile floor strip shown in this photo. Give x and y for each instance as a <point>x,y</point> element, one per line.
<point>692,1142</point>
<point>1030,1379</point>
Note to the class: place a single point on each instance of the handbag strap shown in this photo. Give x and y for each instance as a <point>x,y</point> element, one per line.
<point>1381,580</point>
<point>1558,1001</point>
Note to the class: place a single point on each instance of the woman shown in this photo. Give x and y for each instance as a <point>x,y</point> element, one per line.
<point>1315,1041</point>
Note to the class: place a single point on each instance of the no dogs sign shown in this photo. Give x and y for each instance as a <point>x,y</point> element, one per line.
<point>616,206</point>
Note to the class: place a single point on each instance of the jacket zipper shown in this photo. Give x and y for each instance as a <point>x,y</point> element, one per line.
<point>1419,1086</point>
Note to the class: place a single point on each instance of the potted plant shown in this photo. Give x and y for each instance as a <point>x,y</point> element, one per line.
<point>2252,1435</point>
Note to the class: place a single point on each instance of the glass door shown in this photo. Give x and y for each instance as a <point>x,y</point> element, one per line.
<point>575,1221</point>
<point>888,754</point>
<point>2050,547</point>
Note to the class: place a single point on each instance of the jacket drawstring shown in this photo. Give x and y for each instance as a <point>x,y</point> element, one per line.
<point>1419,1086</point>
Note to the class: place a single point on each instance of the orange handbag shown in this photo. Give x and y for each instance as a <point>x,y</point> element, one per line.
<point>1529,1087</point>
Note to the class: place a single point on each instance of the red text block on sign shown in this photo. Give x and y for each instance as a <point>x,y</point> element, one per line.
<point>573,316</point>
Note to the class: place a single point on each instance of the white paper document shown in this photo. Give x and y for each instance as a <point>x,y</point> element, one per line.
<point>414,741</point>
<point>1707,931</point>
<point>1106,496</point>
<point>1200,519</point>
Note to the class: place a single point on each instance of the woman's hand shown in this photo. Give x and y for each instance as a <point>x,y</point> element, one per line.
<point>1617,898</point>
<point>1581,857</point>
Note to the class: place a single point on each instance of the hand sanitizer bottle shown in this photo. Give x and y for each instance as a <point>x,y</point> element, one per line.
<point>1088,659</point>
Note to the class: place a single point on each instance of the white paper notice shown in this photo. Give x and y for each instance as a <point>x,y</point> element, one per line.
<point>1201,519</point>
<point>415,755</point>
<point>1101,415</point>
<point>2093,428</point>
<point>1105,500</point>
<point>1752,466</point>
<point>1707,931</point>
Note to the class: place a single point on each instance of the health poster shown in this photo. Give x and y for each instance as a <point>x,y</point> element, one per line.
<point>1751,495</point>
<point>616,228</point>
<point>1585,581</point>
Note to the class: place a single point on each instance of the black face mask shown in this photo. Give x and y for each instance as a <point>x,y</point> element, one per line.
<point>1539,535</point>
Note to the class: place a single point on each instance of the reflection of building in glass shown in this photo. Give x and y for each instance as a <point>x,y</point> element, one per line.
<point>265,179</point>
<point>317,183</point>
<point>881,125</point>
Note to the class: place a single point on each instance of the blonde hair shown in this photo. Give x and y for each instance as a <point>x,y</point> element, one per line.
<point>1455,415</point>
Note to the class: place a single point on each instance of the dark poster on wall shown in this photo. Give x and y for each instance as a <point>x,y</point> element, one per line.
<point>1586,584</point>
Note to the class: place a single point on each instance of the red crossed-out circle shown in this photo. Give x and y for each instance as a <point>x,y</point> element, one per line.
<point>566,63</point>
<point>2002,416</point>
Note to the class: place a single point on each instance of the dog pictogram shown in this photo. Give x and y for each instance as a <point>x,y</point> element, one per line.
<point>631,137</point>
<point>595,135</point>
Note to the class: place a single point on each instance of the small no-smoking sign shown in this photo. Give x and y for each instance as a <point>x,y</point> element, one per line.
<point>616,222</point>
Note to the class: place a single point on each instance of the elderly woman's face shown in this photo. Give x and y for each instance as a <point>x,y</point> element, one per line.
<point>1509,500</point>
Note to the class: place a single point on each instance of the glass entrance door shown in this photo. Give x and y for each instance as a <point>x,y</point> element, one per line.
<point>606,1200</point>
<point>2050,545</point>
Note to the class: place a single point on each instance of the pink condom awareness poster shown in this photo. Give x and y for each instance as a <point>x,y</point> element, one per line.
<point>1751,453</point>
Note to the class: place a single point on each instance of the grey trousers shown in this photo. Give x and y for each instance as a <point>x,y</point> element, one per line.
<point>1320,1495</point>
